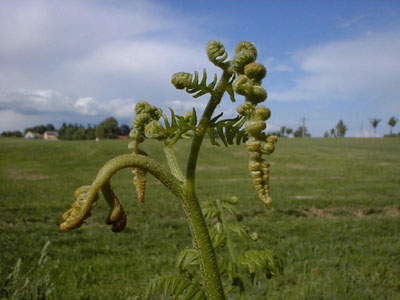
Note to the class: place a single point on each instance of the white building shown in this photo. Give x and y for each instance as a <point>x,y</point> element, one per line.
<point>51,135</point>
<point>31,135</point>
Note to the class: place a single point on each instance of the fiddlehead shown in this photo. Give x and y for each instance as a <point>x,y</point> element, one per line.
<point>87,195</point>
<point>145,122</point>
<point>248,84</point>
<point>217,54</point>
<point>183,80</point>
<point>79,211</point>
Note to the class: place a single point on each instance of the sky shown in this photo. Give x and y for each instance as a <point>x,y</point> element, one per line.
<point>83,61</point>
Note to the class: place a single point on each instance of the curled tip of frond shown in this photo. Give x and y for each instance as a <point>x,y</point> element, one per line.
<point>79,211</point>
<point>192,84</point>
<point>245,109</point>
<point>154,130</point>
<point>143,107</point>
<point>140,121</point>
<point>181,80</point>
<point>263,113</point>
<point>216,53</point>
<point>244,86</point>
<point>255,71</point>
<point>242,46</point>
<point>117,216</point>
<point>241,59</point>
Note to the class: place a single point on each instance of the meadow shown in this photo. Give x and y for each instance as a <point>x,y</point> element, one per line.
<point>335,220</point>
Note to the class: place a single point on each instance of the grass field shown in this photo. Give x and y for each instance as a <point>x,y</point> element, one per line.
<point>335,219</point>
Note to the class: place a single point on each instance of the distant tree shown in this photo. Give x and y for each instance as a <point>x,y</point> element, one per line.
<point>50,127</point>
<point>333,133</point>
<point>79,134</point>
<point>283,130</point>
<point>289,131</point>
<point>392,122</point>
<point>374,123</point>
<point>38,129</point>
<point>15,133</point>
<point>108,129</point>
<point>124,129</point>
<point>70,132</point>
<point>299,132</point>
<point>326,134</point>
<point>341,129</point>
<point>62,132</point>
<point>90,133</point>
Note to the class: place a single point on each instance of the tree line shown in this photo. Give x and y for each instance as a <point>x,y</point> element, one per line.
<point>341,129</point>
<point>107,129</point>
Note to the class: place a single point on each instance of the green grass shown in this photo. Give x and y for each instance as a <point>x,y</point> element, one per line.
<point>335,219</point>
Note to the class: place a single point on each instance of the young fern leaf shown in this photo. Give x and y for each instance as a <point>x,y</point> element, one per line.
<point>228,131</point>
<point>183,80</point>
<point>179,126</point>
<point>210,209</point>
<point>186,259</point>
<point>239,230</point>
<point>176,287</point>
<point>265,260</point>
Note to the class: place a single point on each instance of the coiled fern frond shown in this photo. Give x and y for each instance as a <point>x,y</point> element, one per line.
<point>217,54</point>
<point>183,80</point>
<point>176,287</point>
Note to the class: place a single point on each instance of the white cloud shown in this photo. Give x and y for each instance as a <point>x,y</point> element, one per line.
<point>36,101</point>
<point>365,68</point>
<point>11,120</point>
<point>91,58</point>
<point>184,106</point>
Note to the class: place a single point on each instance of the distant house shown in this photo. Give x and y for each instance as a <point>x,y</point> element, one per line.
<point>31,135</point>
<point>51,135</point>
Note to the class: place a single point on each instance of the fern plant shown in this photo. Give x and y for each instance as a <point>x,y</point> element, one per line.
<point>223,218</point>
<point>240,76</point>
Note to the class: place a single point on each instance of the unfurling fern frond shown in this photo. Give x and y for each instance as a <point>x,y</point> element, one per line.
<point>216,53</point>
<point>176,287</point>
<point>80,209</point>
<point>264,260</point>
<point>230,131</point>
<point>183,80</point>
<point>117,216</point>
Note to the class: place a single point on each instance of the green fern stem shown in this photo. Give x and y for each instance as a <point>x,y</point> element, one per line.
<point>201,238</point>
<point>173,162</point>
<point>212,104</point>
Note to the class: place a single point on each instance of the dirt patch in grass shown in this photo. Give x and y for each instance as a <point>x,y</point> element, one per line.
<point>19,174</point>
<point>304,197</point>
<point>391,210</point>
<point>337,177</point>
<point>286,177</point>
<point>295,166</point>
<point>335,212</point>
<point>212,168</point>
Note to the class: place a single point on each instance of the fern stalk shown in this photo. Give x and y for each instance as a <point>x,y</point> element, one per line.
<point>173,162</point>
<point>197,223</point>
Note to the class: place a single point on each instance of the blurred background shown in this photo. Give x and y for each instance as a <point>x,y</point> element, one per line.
<point>81,62</point>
